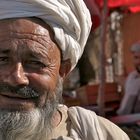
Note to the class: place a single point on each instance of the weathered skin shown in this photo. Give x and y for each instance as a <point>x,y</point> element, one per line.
<point>28,57</point>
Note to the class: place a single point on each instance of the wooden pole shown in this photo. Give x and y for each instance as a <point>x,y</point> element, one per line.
<point>101,93</point>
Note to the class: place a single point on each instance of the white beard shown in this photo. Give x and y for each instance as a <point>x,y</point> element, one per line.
<point>32,125</point>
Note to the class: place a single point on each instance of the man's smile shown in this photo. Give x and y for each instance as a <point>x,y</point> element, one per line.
<point>16,102</point>
<point>11,95</point>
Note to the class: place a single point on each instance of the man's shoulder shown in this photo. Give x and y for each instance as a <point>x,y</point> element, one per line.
<point>75,110</point>
<point>80,110</point>
<point>86,124</point>
<point>95,124</point>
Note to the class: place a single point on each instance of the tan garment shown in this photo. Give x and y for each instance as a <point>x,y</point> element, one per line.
<point>81,124</point>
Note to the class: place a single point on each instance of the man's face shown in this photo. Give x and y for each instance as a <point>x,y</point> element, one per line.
<point>29,63</point>
<point>136,60</point>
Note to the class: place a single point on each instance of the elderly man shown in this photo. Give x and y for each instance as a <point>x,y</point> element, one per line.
<point>40,42</point>
<point>131,100</point>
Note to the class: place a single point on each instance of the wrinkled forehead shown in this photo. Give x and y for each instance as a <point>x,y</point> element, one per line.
<point>32,26</point>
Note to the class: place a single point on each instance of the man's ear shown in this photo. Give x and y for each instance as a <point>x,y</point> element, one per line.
<point>65,68</point>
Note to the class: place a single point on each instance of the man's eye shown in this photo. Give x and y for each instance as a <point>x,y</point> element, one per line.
<point>36,64</point>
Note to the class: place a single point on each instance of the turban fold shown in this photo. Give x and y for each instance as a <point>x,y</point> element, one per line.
<point>69,19</point>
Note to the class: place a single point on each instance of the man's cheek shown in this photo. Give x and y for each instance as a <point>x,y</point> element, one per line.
<point>43,82</point>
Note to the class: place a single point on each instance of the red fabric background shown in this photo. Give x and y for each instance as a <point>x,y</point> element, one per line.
<point>95,7</point>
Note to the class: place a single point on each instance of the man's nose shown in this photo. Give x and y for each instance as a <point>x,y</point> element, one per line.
<point>17,76</point>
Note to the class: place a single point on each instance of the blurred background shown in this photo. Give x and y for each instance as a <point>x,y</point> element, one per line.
<point>97,82</point>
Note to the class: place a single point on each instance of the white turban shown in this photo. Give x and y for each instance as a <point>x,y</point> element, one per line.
<point>69,19</point>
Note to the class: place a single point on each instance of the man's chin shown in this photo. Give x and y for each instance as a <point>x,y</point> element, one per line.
<point>20,125</point>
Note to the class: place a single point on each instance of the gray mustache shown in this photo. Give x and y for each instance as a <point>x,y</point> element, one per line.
<point>25,91</point>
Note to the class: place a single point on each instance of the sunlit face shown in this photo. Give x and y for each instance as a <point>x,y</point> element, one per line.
<point>136,59</point>
<point>29,62</point>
